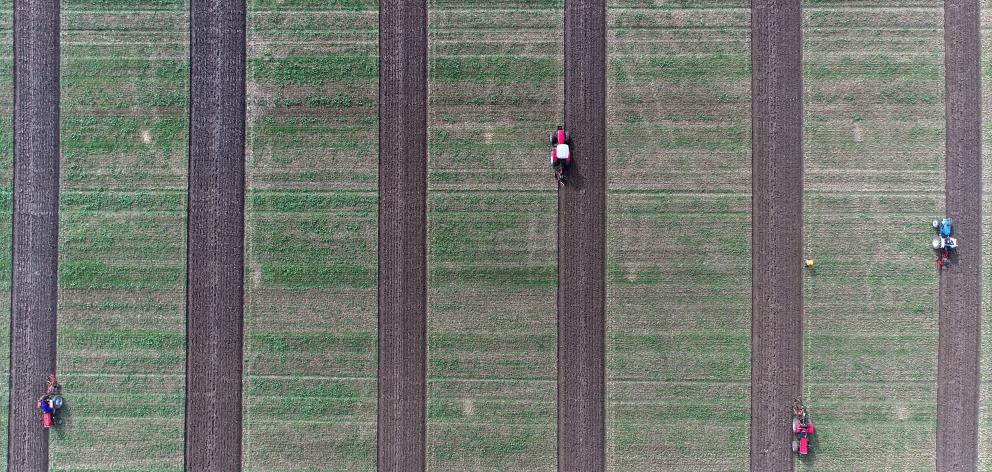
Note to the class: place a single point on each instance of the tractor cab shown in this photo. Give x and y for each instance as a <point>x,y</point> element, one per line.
<point>561,152</point>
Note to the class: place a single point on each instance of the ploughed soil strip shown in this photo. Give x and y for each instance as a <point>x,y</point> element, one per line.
<point>582,245</point>
<point>402,430</point>
<point>34,280</point>
<point>215,257</point>
<point>960,283</point>
<point>776,244</point>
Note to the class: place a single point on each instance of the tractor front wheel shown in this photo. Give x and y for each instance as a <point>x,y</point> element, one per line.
<point>795,446</point>
<point>553,139</point>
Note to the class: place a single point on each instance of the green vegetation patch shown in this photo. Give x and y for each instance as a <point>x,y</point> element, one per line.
<point>493,69</point>
<point>314,70</point>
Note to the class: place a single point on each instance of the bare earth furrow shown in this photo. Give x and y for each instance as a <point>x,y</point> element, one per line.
<point>215,258</point>
<point>582,245</point>
<point>35,227</point>
<point>776,249</point>
<point>402,236</point>
<point>960,285</point>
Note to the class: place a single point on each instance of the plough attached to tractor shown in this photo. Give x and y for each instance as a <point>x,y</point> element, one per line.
<point>802,429</point>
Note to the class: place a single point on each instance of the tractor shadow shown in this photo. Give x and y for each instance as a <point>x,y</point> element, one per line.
<point>952,258</point>
<point>575,180</point>
<point>62,430</point>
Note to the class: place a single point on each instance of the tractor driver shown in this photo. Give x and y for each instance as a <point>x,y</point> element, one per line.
<point>47,407</point>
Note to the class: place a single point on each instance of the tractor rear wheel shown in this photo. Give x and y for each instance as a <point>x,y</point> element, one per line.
<point>795,424</point>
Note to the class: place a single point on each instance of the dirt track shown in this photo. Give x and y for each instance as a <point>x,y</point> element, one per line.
<point>215,257</point>
<point>960,284</point>
<point>776,245</point>
<point>582,245</point>
<point>35,226</point>
<point>402,435</point>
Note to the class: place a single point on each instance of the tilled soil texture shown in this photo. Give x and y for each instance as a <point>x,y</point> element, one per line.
<point>35,223</point>
<point>776,245</point>
<point>582,245</point>
<point>960,284</point>
<point>215,260</point>
<point>402,235</point>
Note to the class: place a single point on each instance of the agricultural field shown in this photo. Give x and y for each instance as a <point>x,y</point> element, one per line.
<point>6,177</point>
<point>874,178</point>
<point>121,329</point>
<point>985,394</point>
<point>495,91</point>
<point>311,235</point>
<point>679,304</point>
<point>679,225</point>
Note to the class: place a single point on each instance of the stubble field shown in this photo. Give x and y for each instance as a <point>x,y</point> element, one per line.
<point>310,298</point>
<point>679,236</point>
<point>874,139</point>
<point>121,331</point>
<point>985,391</point>
<point>6,178</point>
<point>495,81</point>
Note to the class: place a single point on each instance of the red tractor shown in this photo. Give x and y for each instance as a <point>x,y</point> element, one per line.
<point>50,403</point>
<point>561,153</point>
<point>802,428</point>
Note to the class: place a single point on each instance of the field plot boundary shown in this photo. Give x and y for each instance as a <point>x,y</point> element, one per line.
<point>776,246</point>
<point>402,371</point>
<point>215,233</point>
<point>582,245</point>
<point>34,280</point>
<point>959,348</point>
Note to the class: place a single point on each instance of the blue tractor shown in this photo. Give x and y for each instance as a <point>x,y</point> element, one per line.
<point>943,241</point>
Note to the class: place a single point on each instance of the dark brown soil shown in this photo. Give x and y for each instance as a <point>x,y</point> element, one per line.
<point>582,245</point>
<point>776,245</point>
<point>215,258</point>
<point>35,227</point>
<point>402,428</point>
<point>960,284</point>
